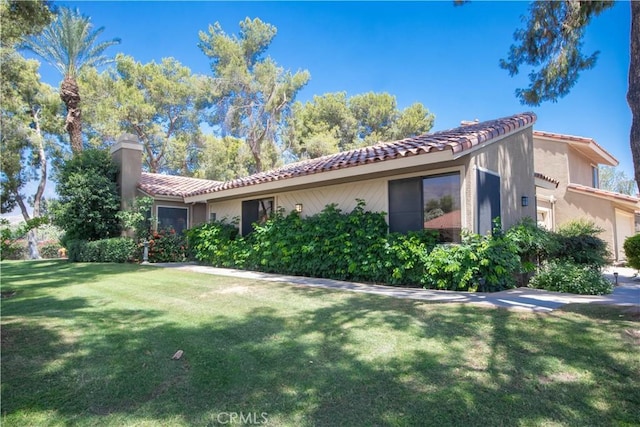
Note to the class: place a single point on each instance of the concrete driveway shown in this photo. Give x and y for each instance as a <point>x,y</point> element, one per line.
<point>626,293</point>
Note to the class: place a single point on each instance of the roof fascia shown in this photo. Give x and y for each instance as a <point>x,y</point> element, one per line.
<point>325,178</point>
<point>609,197</point>
<point>599,154</point>
<point>492,141</point>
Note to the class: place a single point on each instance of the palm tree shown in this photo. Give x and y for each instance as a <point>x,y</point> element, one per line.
<point>70,45</point>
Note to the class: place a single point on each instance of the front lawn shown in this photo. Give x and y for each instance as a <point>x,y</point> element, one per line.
<point>88,344</point>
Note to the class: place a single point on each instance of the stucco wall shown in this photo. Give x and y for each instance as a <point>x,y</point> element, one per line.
<point>551,159</point>
<point>512,159</point>
<point>582,206</point>
<point>127,155</point>
<point>580,169</point>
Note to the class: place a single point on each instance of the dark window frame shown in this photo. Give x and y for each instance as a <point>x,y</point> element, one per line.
<point>407,204</point>
<point>158,222</point>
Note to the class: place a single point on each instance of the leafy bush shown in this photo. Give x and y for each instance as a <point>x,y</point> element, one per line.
<point>407,256</point>
<point>452,267</point>
<point>632,251</point>
<point>578,241</point>
<point>138,217</point>
<point>117,249</point>
<point>213,243</point>
<point>534,243</point>
<point>88,197</point>
<point>50,249</point>
<point>567,276</point>
<point>167,246</point>
<point>330,244</point>
<point>479,263</point>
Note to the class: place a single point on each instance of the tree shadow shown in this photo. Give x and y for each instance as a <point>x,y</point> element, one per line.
<point>357,360</point>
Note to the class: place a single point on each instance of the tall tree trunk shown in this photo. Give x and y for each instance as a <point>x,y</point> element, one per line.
<point>32,240</point>
<point>70,95</point>
<point>42,157</point>
<point>633,96</point>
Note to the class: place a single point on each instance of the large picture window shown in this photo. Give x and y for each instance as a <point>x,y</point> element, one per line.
<point>431,202</point>
<point>442,207</point>
<point>172,217</point>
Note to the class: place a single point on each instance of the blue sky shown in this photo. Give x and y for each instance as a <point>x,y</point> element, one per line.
<point>443,56</point>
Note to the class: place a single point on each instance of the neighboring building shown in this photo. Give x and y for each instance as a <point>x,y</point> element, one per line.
<point>568,188</point>
<point>456,179</point>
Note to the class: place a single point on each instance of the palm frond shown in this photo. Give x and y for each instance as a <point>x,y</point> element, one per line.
<point>70,43</point>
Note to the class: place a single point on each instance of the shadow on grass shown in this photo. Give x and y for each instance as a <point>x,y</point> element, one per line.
<point>363,360</point>
<point>58,272</point>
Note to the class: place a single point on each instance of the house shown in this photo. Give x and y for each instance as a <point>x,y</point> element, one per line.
<point>568,188</point>
<point>461,178</point>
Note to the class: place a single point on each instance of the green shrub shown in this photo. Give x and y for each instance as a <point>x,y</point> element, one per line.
<point>357,246</point>
<point>479,263</point>
<point>167,246</point>
<point>117,249</point>
<point>50,249</point>
<point>407,254</point>
<point>632,251</point>
<point>210,242</point>
<point>88,197</point>
<point>578,241</point>
<point>567,276</point>
<point>534,243</point>
<point>452,267</point>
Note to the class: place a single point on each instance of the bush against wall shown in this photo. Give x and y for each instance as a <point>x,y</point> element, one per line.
<point>480,263</point>
<point>357,246</point>
<point>578,241</point>
<point>632,251</point>
<point>167,246</point>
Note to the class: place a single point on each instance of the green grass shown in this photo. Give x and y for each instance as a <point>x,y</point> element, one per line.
<point>91,344</point>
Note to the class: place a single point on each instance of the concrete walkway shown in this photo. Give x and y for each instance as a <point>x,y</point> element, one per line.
<point>626,293</point>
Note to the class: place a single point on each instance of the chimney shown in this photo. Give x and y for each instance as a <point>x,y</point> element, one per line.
<point>469,122</point>
<point>127,155</point>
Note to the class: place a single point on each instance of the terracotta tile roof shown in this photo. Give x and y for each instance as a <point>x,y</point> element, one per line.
<point>448,220</point>
<point>170,185</point>
<point>603,193</point>
<point>457,140</point>
<point>546,178</point>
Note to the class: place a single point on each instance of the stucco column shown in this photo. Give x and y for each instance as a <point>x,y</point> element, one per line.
<point>127,155</point>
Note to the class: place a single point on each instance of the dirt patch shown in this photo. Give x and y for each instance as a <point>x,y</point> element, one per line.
<point>7,294</point>
<point>234,290</point>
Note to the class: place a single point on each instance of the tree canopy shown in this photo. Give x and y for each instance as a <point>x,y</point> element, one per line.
<point>251,94</point>
<point>551,44</point>
<point>332,122</point>
<point>70,44</point>
<point>163,104</point>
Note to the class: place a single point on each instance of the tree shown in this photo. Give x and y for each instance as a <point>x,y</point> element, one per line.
<point>332,122</point>
<point>616,180</point>
<point>70,44</point>
<point>251,94</point>
<point>552,41</point>
<point>224,159</point>
<point>88,201</point>
<point>160,103</point>
<point>20,18</point>
<point>27,111</point>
